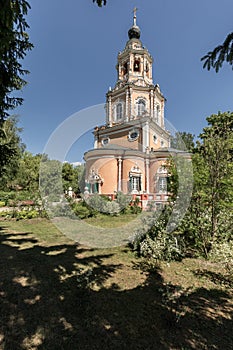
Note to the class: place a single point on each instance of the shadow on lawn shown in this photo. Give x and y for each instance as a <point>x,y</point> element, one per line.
<point>43,308</point>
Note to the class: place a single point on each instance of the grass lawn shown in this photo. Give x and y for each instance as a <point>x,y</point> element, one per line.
<point>57,294</point>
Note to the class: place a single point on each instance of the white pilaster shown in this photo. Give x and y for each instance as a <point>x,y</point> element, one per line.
<point>110,110</point>
<point>145,137</point>
<point>147,176</point>
<point>127,106</point>
<point>119,174</point>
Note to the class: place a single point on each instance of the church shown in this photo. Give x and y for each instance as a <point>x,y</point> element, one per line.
<point>131,148</point>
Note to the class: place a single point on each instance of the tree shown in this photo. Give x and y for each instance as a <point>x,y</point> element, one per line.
<point>11,149</point>
<point>182,141</point>
<point>28,172</point>
<point>71,177</point>
<point>216,149</point>
<point>209,218</point>
<point>14,46</point>
<point>222,53</point>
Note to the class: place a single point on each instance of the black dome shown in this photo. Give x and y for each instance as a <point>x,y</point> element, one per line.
<point>134,32</point>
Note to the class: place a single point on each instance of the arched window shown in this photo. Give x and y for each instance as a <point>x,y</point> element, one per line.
<point>135,180</point>
<point>141,107</point>
<point>161,179</point>
<point>125,68</point>
<point>119,111</point>
<point>157,113</point>
<point>162,185</point>
<point>136,66</point>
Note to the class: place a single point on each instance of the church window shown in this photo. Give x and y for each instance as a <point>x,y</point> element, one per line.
<point>141,107</point>
<point>135,179</point>
<point>133,135</point>
<point>155,139</point>
<point>161,179</point>
<point>119,111</point>
<point>136,66</point>
<point>147,70</point>
<point>135,183</point>
<point>125,68</point>
<point>162,185</point>
<point>157,112</point>
<point>105,141</point>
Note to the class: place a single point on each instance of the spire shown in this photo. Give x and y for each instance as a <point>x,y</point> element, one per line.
<point>135,16</point>
<point>134,31</point>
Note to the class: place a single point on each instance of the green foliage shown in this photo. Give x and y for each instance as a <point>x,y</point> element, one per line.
<point>28,172</point>
<point>2,204</point>
<point>135,208</point>
<point>207,227</point>
<point>14,46</point>
<point>11,150</point>
<point>209,218</point>
<point>183,141</point>
<point>222,253</point>
<point>51,178</point>
<point>72,176</point>
<point>112,208</point>
<point>123,201</point>
<point>222,53</point>
<point>82,211</point>
<point>153,241</point>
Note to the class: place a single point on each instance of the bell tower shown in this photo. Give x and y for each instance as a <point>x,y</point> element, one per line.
<point>134,96</point>
<point>134,63</point>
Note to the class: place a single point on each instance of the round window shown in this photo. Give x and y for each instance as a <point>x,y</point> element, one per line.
<point>155,138</point>
<point>105,141</point>
<point>133,135</point>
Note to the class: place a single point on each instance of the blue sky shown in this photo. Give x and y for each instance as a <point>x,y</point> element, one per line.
<point>76,44</point>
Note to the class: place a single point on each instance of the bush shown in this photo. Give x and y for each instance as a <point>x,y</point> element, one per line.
<point>135,209</point>
<point>27,214</point>
<point>2,204</point>
<point>123,201</point>
<point>112,208</point>
<point>222,252</point>
<point>153,241</point>
<point>163,247</point>
<point>81,210</point>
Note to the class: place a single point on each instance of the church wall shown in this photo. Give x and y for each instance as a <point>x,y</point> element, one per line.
<point>157,144</point>
<point>121,139</point>
<point>109,171</point>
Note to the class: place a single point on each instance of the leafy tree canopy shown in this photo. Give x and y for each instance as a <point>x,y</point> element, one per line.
<point>183,141</point>
<point>14,46</point>
<point>11,147</point>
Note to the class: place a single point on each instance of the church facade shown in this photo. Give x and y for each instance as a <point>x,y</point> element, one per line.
<point>131,149</point>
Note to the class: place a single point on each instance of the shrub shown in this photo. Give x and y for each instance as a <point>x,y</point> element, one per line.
<point>81,210</point>
<point>165,246</point>
<point>27,214</point>
<point>222,252</point>
<point>153,240</point>
<point>2,204</point>
<point>112,208</point>
<point>123,201</point>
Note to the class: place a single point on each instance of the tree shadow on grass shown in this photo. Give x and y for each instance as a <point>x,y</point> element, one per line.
<point>43,306</point>
<point>215,277</point>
